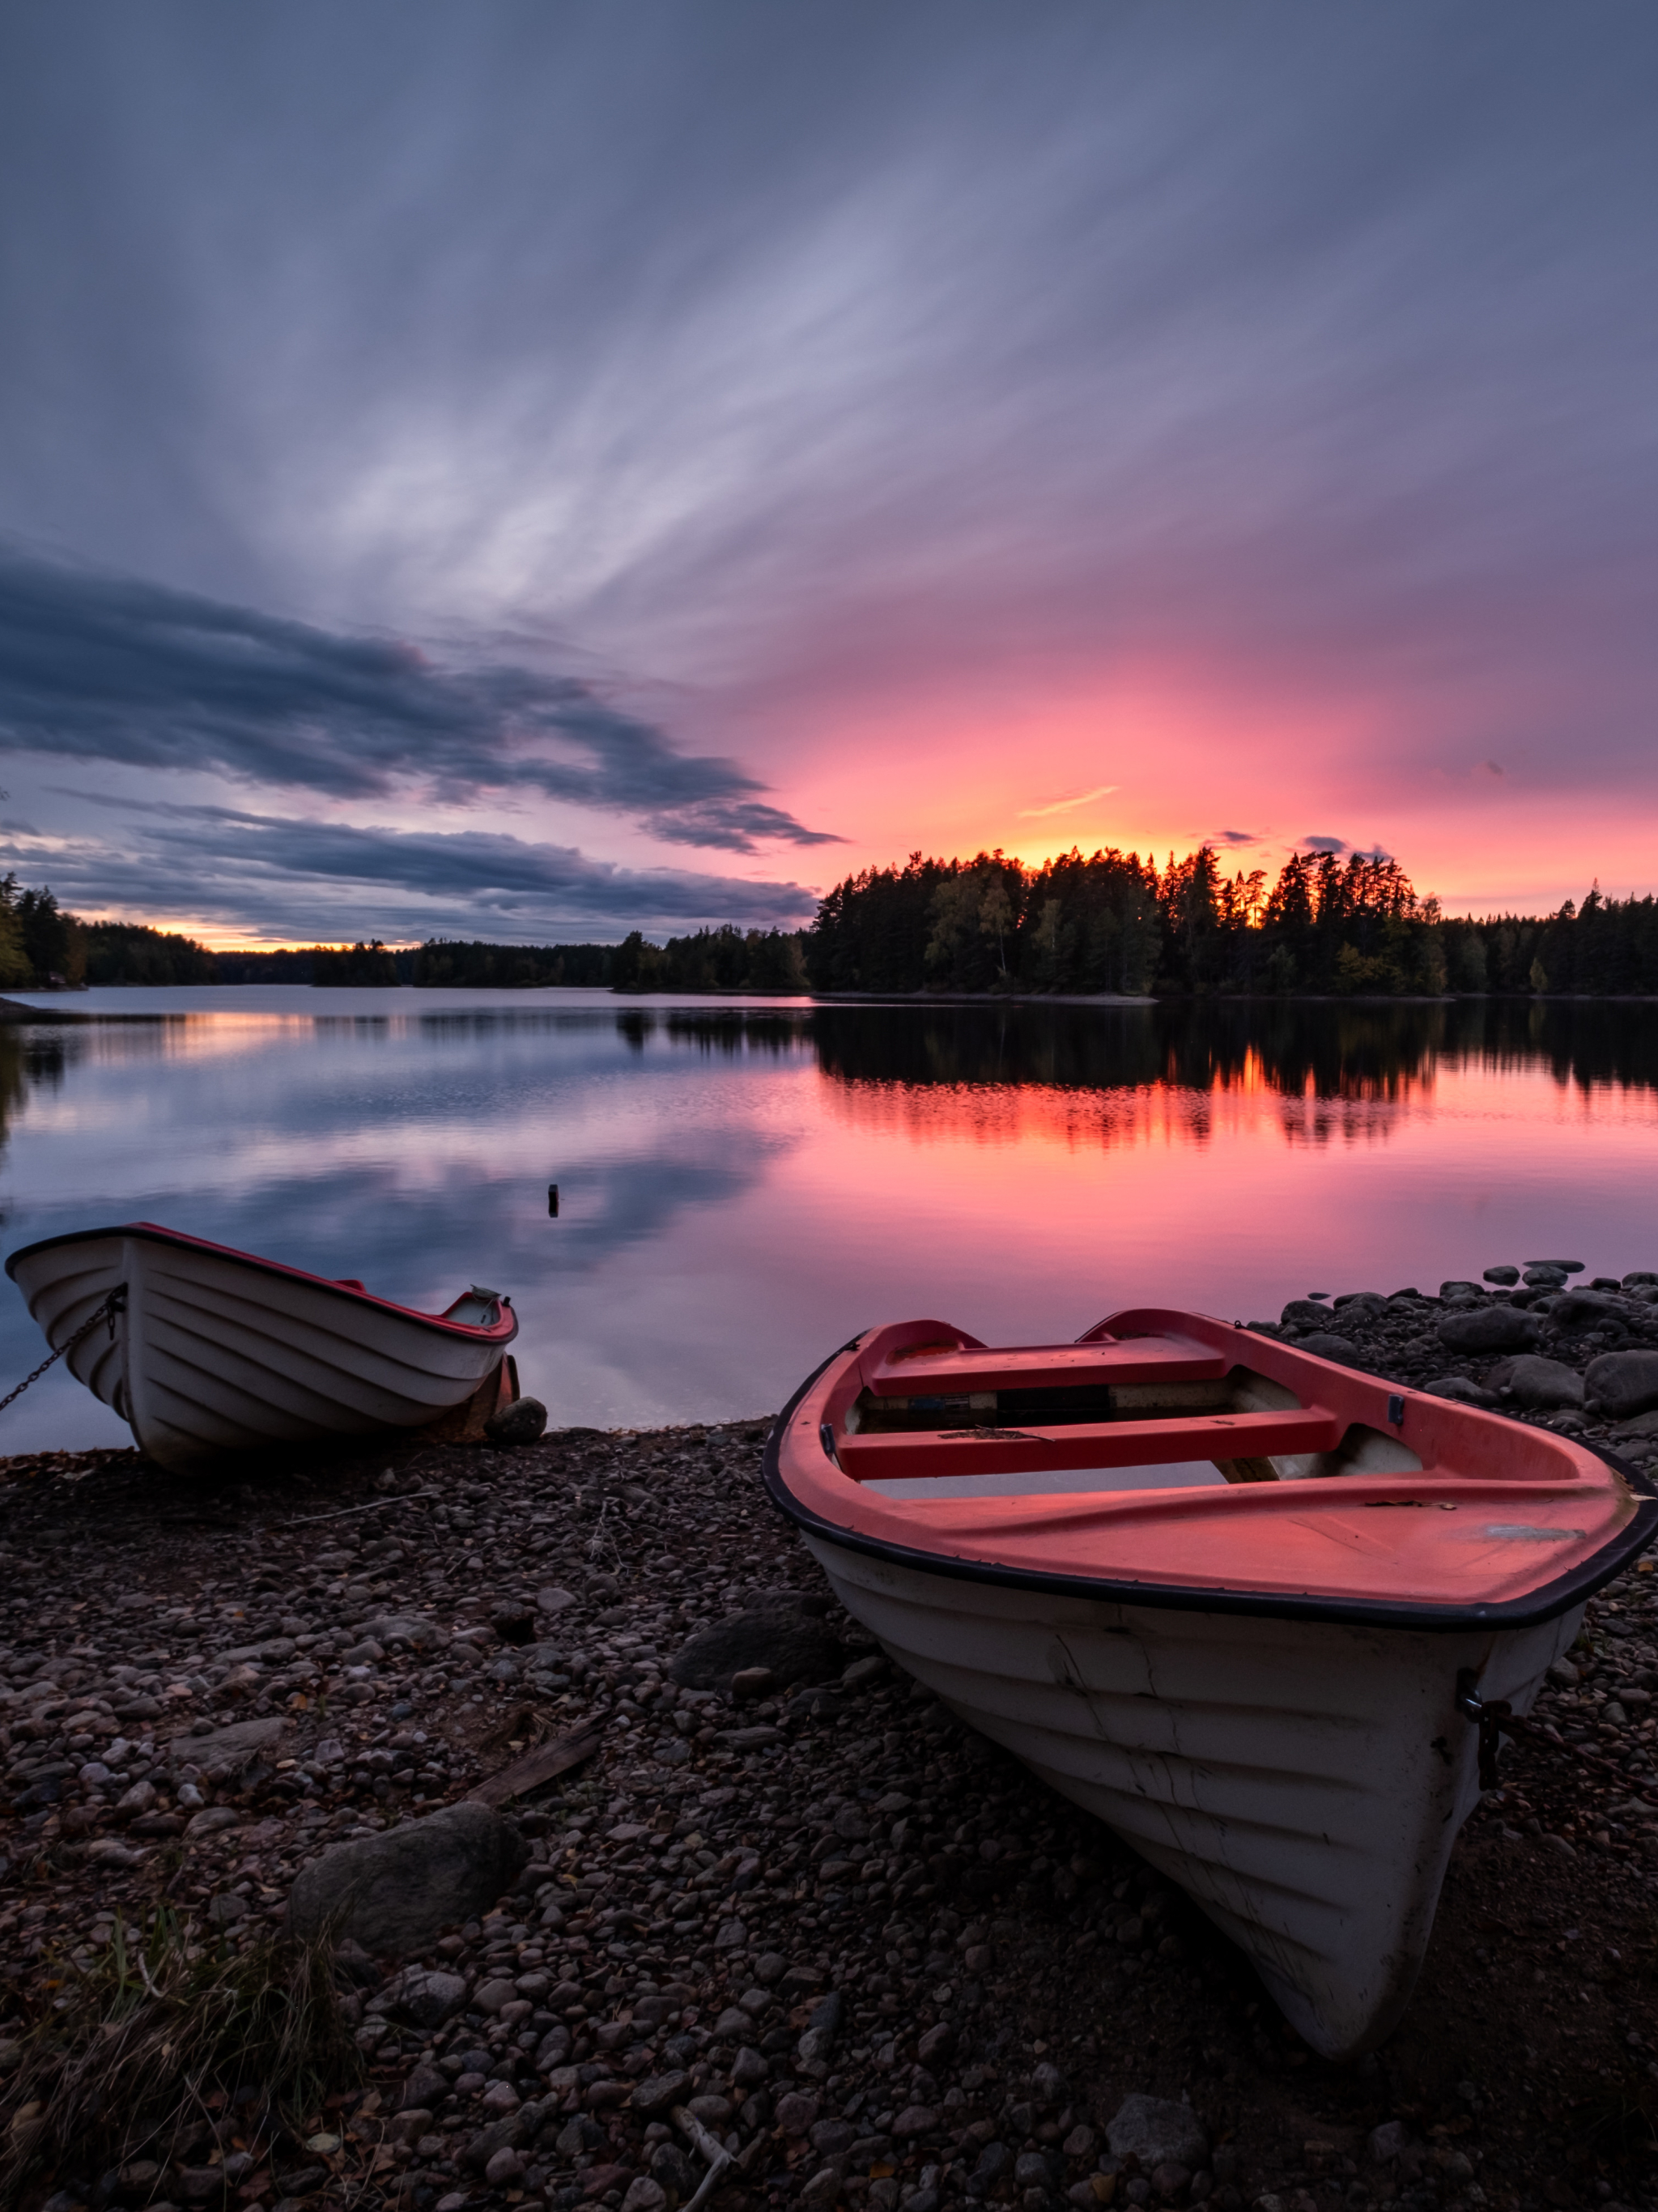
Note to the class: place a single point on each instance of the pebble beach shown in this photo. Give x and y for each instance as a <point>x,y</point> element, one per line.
<point>743,1901</point>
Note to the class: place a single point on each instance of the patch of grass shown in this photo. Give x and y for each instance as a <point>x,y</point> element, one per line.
<point>142,2044</point>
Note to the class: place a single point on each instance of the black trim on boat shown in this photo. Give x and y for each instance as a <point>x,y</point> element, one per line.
<point>1538,1605</point>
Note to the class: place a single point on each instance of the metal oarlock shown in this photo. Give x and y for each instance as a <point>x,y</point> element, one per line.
<point>1492,1717</point>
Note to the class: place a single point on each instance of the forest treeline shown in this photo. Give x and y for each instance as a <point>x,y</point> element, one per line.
<point>43,947</point>
<point>1108,922</point>
<point>1113,922</point>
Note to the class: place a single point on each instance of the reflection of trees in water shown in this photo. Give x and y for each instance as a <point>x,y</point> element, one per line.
<point>1333,1070</point>
<point>28,1062</point>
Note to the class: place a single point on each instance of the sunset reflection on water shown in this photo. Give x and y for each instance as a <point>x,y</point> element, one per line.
<point>743,1188</point>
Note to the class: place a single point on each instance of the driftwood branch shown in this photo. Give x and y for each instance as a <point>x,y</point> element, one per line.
<point>711,2148</point>
<point>538,1766</point>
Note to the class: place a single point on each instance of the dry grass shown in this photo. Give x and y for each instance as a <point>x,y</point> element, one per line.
<point>137,2051</point>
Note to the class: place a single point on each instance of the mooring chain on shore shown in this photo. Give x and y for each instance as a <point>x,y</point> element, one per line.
<point>113,1304</point>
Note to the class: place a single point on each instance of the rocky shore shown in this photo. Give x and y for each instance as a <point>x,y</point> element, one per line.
<point>679,1878</point>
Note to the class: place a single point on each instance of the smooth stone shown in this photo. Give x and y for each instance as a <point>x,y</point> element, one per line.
<point>1325,1344</point>
<point>659,2092</point>
<point>1640,1278</point>
<point>1538,1278</point>
<point>1489,1329</point>
<point>1564,1267</point>
<point>235,1745</point>
<point>1503,1276</point>
<point>1159,2132</point>
<point>1361,1305</point>
<point>414,1630</point>
<point>1303,1313</point>
<point>791,1642</point>
<point>1575,1310</point>
<point>396,1893</point>
<point>1460,1391</point>
<point>523,1422</point>
<point>1536,1382</point>
<point>1620,1384</point>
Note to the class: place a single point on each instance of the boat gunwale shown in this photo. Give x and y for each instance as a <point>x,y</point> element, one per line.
<point>501,1332</point>
<point>1544,1603</point>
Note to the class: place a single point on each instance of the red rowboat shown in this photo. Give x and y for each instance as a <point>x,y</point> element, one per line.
<point>1256,1611</point>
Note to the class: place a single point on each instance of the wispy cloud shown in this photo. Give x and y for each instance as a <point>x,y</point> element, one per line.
<point>286,877</point>
<point>108,668</point>
<point>1067,805</point>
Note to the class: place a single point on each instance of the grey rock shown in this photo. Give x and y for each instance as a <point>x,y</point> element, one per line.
<point>1159,2132</point>
<point>396,1893</point>
<point>659,2092</point>
<point>1560,1267</point>
<point>1536,1382</point>
<point>1304,1313</point>
<point>1505,1276</point>
<point>833,2138</point>
<point>780,1636</point>
<point>1325,1344</point>
<point>1539,1276</point>
<point>993,2161</point>
<point>238,1745</point>
<point>1361,1305</point>
<point>1620,1383</point>
<point>1459,1289</point>
<point>1032,2170</point>
<point>506,2134</point>
<point>1640,1278</point>
<point>1489,1329</point>
<point>1460,1391</point>
<point>426,1998</point>
<point>1390,2140</point>
<point>423,2089</point>
<point>520,1423</point>
<point>411,1631</point>
<point>1577,1309</point>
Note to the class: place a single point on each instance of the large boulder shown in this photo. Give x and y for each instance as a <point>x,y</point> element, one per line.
<point>1535,1382</point>
<point>1159,2132</point>
<point>780,1632</point>
<point>1304,1313</point>
<point>1325,1344</point>
<point>395,1894</point>
<point>1575,1310</point>
<point>1621,1383</point>
<point>1489,1329</point>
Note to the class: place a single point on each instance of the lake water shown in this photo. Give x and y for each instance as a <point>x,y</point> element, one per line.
<point>742,1188</point>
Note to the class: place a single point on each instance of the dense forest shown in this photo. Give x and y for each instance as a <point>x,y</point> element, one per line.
<point>1111,923</point>
<point>1106,923</point>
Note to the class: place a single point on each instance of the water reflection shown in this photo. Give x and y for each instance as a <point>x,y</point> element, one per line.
<point>743,1187</point>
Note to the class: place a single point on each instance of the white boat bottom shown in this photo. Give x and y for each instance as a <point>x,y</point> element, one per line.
<point>1302,1782</point>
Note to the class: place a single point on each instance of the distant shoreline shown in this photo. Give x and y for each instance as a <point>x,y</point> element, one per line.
<point>15,1012</point>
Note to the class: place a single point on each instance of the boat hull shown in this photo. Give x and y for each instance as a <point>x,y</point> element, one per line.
<point>1303,1781</point>
<point>217,1354</point>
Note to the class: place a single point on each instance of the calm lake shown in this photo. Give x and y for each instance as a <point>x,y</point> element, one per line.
<point>743,1186</point>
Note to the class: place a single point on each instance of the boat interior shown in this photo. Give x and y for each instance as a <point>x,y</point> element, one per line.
<point>1197,1418</point>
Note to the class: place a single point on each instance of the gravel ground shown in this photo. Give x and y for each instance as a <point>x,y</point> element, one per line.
<point>879,1966</point>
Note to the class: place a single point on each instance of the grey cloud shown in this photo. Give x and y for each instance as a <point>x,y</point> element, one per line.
<point>101,667</point>
<point>279,877</point>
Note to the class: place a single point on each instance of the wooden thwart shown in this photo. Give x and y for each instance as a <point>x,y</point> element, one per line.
<point>536,1767</point>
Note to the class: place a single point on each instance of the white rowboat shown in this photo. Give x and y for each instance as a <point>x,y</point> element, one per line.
<point>213,1352</point>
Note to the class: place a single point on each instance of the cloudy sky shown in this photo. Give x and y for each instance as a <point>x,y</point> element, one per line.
<point>529,471</point>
